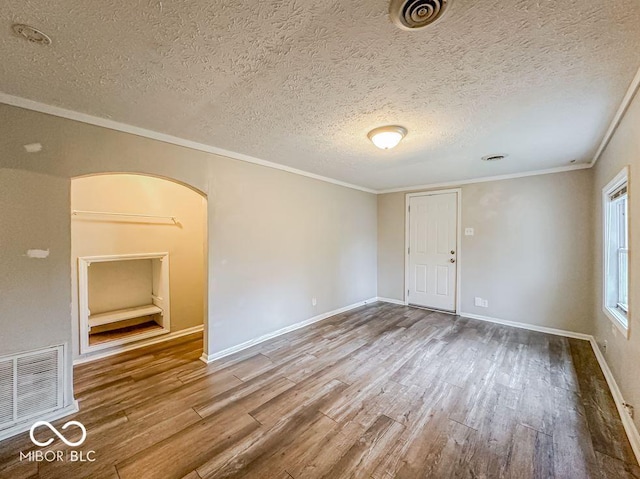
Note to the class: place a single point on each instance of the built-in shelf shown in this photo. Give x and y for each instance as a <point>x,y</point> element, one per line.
<point>123,314</point>
<point>117,286</point>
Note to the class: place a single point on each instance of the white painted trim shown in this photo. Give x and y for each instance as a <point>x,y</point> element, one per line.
<point>627,421</point>
<point>620,179</point>
<point>616,320</point>
<point>209,358</point>
<point>617,118</point>
<point>530,327</point>
<point>140,344</point>
<point>154,135</point>
<point>486,179</point>
<point>50,417</point>
<point>458,192</point>
<point>407,243</point>
<point>392,301</point>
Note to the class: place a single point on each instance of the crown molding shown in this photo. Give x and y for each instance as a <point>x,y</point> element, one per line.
<point>617,118</point>
<point>430,186</point>
<point>154,135</point>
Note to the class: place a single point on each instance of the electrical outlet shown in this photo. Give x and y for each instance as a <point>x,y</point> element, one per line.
<point>314,301</point>
<point>468,231</point>
<point>604,346</point>
<point>482,303</point>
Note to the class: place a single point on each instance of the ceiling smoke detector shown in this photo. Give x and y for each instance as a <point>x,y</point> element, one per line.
<point>416,14</point>
<point>493,157</point>
<point>31,34</point>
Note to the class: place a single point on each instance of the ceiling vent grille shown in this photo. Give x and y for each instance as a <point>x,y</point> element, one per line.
<point>416,14</point>
<point>31,34</point>
<point>30,385</point>
<point>6,392</point>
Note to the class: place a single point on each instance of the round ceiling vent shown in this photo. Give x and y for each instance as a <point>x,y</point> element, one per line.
<point>416,14</point>
<point>493,157</point>
<point>31,34</point>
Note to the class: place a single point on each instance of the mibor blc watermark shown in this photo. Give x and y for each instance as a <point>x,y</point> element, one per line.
<point>58,456</point>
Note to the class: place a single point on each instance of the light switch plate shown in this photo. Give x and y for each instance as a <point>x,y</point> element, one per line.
<point>468,231</point>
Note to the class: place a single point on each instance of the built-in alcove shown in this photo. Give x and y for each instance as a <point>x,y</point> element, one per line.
<point>138,256</point>
<point>122,298</point>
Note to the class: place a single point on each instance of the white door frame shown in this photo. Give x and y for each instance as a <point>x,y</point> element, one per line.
<point>458,192</point>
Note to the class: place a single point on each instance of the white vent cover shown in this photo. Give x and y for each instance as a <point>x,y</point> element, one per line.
<point>416,14</point>
<point>6,392</point>
<point>30,385</point>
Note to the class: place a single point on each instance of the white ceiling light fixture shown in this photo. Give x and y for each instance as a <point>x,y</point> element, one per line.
<point>387,137</point>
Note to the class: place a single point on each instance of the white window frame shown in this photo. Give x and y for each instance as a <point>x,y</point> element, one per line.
<point>620,320</point>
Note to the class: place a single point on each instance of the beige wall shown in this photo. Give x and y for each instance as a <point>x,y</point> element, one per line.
<point>391,243</point>
<point>279,240</point>
<point>275,239</point>
<point>34,294</point>
<point>530,255</point>
<point>622,355</point>
<point>185,241</point>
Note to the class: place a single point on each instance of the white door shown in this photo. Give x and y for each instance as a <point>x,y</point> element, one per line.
<point>432,258</point>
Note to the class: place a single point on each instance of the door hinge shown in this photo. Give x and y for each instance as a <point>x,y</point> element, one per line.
<point>409,250</point>
<point>409,209</point>
<point>407,292</point>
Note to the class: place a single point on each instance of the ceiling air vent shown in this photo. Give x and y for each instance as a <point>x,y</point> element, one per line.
<point>31,34</point>
<point>416,14</point>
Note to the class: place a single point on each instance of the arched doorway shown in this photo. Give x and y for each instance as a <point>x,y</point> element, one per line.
<point>138,262</point>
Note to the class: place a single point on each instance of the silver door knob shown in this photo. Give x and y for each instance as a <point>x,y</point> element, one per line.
<point>452,260</point>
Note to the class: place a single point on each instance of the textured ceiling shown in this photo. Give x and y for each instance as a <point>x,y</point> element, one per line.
<point>302,82</point>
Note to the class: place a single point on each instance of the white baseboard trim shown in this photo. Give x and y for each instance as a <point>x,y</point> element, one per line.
<point>392,301</point>
<point>530,327</point>
<point>50,417</point>
<point>627,421</point>
<point>209,358</point>
<point>138,344</point>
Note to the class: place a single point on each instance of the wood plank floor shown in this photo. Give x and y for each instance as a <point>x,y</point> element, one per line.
<point>379,392</point>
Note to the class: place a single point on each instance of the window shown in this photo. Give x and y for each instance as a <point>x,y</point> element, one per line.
<point>616,251</point>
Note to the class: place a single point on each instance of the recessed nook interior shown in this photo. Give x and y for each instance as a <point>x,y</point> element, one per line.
<point>123,298</point>
<point>138,261</point>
